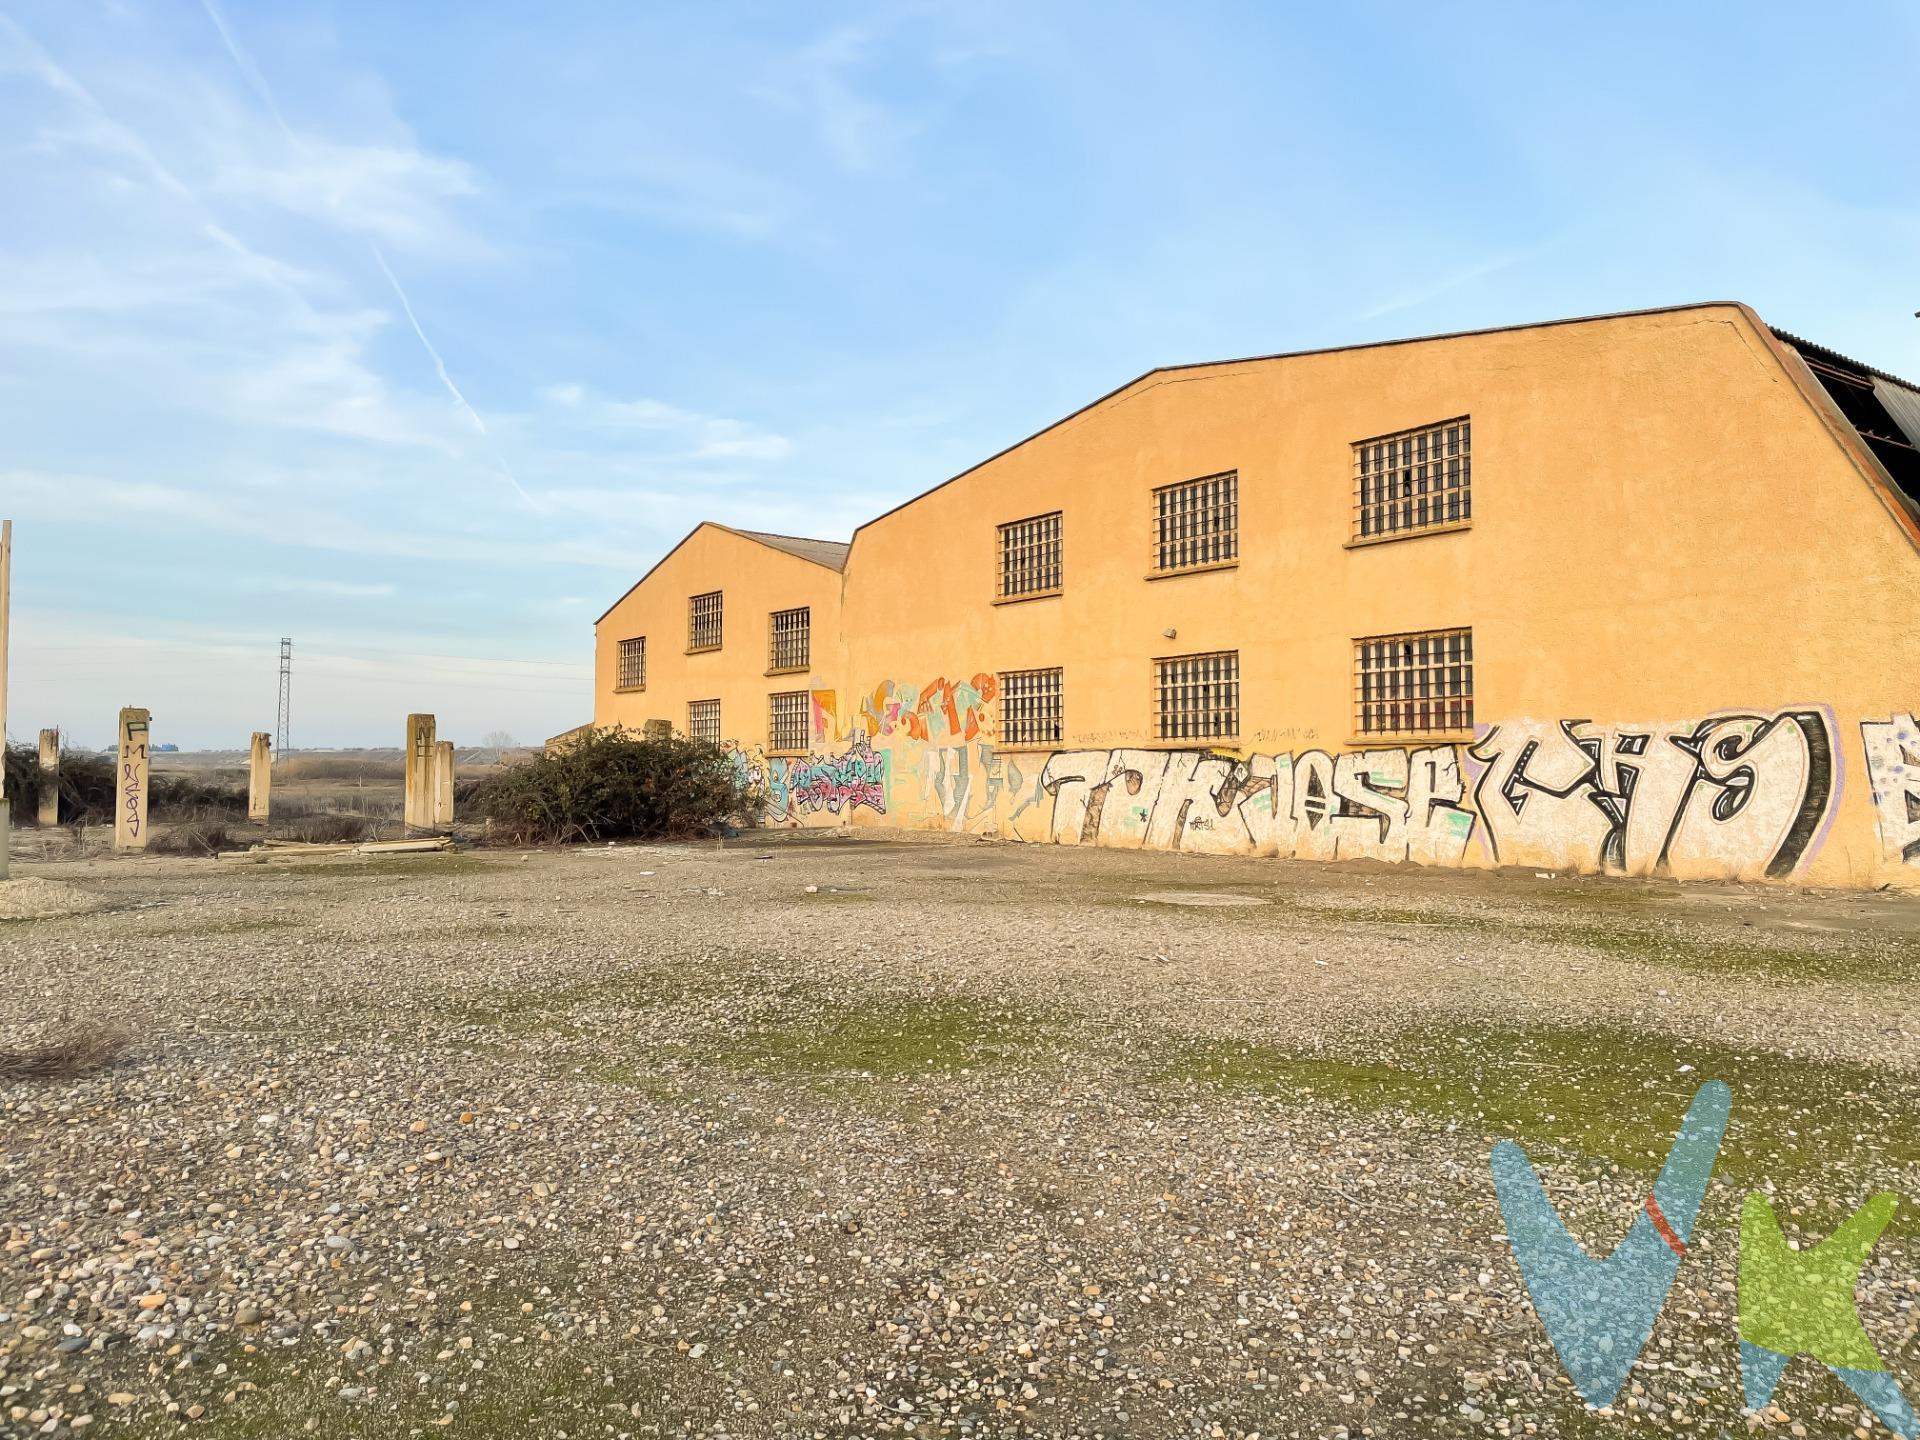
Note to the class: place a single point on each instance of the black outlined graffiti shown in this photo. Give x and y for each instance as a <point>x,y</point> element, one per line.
<point>1745,794</point>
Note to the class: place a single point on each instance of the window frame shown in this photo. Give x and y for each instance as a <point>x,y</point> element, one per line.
<point>804,701</point>
<point>1363,733</point>
<point>1157,514</point>
<point>1364,509</point>
<point>719,621</point>
<point>1006,740</point>
<point>774,667</point>
<point>1001,596</point>
<point>1159,710</point>
<point>693,734</point>
<point>621,685</point>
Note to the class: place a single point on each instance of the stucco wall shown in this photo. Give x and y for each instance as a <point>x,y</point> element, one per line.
<point>755,580</point>
<point>1686,598</point>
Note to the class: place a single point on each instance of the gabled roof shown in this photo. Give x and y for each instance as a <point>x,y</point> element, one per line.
<point>828,554</point>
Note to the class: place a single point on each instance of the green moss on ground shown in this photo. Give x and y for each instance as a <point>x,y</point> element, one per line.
<point>883,1039</point>
<point>1610,1093</point>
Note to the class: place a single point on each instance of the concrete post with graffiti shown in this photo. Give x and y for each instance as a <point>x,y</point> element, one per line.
<point>134,775</point>
<point>417,809</point>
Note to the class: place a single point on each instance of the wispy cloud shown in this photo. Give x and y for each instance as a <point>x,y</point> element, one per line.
<point>860,134</point>
<point>686,434</point>
<point>341,200</point>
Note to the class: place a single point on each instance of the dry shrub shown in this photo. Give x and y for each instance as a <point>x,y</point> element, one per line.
<point>86,785</point>
<point>195,837</point>
<point>89,790</point>
<point>78,1048</point>
<point>615,784</point>
<point>334,829</point>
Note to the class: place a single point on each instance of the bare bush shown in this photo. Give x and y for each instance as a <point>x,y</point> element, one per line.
<point>195,837</point>
<point>329,829</point>
<point>76,1049</point>
<point>613,783</point>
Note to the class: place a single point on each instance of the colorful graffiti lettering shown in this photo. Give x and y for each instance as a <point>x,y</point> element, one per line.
<point>838,783</point>
<point>1801,1303</point>
<point>1598,1314</point>
<point>1745,795</point>
<point>1893,770</point>
<point>1377,804</point>
<point>943,711</point>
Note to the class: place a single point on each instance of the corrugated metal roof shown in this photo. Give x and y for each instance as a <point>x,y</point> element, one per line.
<point>830,553</point>
<point>1834,357</point>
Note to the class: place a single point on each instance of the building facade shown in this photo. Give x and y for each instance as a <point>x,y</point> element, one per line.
<point>1632,593</point>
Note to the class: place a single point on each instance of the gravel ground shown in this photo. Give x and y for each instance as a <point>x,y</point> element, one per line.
<point>821,1136</point>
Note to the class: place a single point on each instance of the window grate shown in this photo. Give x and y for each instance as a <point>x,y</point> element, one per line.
<point>1030,556</point>
<point>1197,697</point>
<point>787,715</point>
<point>1197,522</point>
<point>632,672</point>
<point>703,621</point>
<point>790,639</point>
<point>1414,480</point>
<point>1414,684</point>
<point>703,720</point>
<point>1030,707</point>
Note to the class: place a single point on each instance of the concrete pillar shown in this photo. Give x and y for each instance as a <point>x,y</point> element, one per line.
<point>260,775</point>
<point>418,810</point>
<point>49,778</point>
<point>130,809</point>
<point>443,784</point>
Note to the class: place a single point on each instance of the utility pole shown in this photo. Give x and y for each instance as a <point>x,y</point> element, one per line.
<point>6,588</point>
<point>286,697</point>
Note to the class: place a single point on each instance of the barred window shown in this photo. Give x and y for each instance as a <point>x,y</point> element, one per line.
<point>1414,480</point>
<point>632,672</point>
<point>1197,697</point>
<point>703,621</point>
<point>1197,522</point>
<point>1030,556</point>
<point>787,727</point>
<point>703,720</point>
<point>1414,684</point>
<point>1030,710</point>
<point>790,639</point>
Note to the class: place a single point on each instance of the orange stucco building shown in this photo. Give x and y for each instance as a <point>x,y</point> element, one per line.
<point>1630,593</point>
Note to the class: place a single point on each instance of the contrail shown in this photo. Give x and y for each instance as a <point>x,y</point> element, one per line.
<point>251,73</point>
<point>446,379</point>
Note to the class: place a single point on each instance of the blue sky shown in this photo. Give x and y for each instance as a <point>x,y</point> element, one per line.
<point>782,266</point>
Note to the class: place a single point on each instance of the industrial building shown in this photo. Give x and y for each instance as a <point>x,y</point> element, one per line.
<point>1631,593</point>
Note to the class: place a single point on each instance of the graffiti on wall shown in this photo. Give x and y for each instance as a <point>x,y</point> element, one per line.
<point>1374,804</point>
<point>942,711</point>
<point>1746,794</point>
<point>1893,772</point>
<point>965,784</point>
<point>838,783</point>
